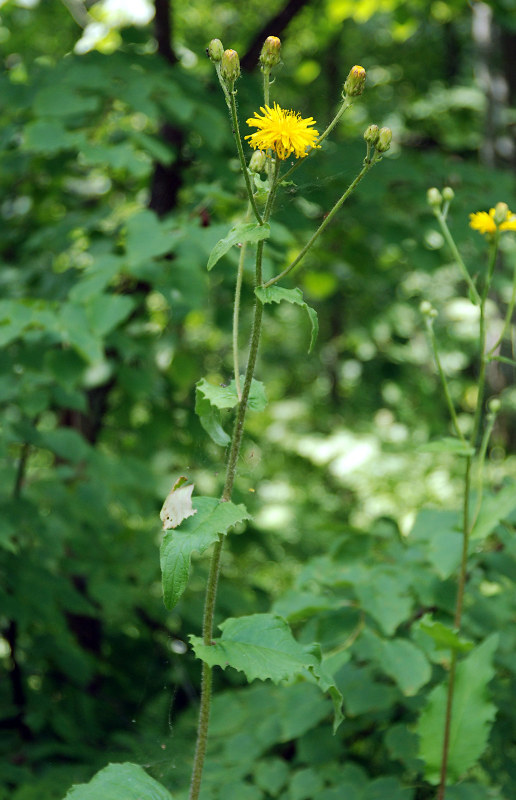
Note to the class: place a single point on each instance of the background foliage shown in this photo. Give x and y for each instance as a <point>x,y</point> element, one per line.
<point>118,176</point>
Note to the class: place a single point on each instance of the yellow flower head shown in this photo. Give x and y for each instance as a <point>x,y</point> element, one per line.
<point>284,132</point>
<point>499,218</point>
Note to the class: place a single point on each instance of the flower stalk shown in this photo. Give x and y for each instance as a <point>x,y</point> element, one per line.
<point>279,134</point>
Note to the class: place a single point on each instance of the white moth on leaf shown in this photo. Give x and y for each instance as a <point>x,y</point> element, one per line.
<point>178,505</point>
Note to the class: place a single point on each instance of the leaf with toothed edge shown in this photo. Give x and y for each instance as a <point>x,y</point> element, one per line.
<point>212,519</point>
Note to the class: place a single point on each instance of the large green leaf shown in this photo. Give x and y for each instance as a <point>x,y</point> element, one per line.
<point>120,782</point>
<point>262,646</point>
<point>472,716</point>
<point>247,232</point>
<point>275,294</point>
<point>195,534</point>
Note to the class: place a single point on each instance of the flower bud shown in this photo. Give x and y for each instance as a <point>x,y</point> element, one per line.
<point>355,81</point>
<point>384,140</point>
<point>434,197</point>
<point>494,405</point>
<point>271,52</point>
<point>230,66</point>
<point>215,50</point>
<point>371,134</point>
<point>448,194</point>
<point>257,161</point>
<point>425,307</point>
<point>501,212</point>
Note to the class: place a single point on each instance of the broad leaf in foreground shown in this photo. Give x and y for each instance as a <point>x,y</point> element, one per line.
<point>275,294</point>
<point>471,720</point>
<point>195,534</point>
<point>120,782</point>
<point>262,646</point>
<point>247,232</point>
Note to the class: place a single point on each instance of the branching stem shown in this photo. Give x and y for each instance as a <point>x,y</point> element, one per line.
<point>365,169</point>
<point>211,588</point>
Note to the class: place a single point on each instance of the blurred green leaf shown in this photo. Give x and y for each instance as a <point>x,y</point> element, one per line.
<point>472,716</point>
<point>120,782</point>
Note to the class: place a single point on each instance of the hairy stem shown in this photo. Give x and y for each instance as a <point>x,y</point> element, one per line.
<point>211,588</point>
<point>243,165</point>
<point>236,310</point>
<point>456,623</point>
<point>444,382</point>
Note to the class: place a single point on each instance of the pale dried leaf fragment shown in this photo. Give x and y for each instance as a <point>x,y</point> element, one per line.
<point>178,504</point>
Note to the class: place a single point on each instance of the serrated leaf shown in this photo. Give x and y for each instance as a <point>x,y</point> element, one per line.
<point>472,716</point>
<point>448,444</point>
<point>226,396</point>
<point>260,645</point>
<point>195,534</point>
<point>120,782</point>
<point>493,509</point>
<point>275,294</point>
<point>327,684</point>
<point>247,232</point>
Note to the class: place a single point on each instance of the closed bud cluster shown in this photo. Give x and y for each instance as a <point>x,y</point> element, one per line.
<point>230,66</point>
<point>215,50</point>
<point>371,134</point>
<point>448,194</point>
<point>355,81</point>
<point>257,161</point>
<point>434,197</point>
<point>271,52</point>
<point>500,213</point>
<point>427,309</point>
<point>384,140</point>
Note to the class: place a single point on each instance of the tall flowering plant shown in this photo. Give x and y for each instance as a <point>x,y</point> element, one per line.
<point>440,723</point>
<point>282,140</point>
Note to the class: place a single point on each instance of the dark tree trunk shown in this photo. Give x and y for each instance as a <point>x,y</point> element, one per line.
<point>167,179</point>
<point>274,27</point>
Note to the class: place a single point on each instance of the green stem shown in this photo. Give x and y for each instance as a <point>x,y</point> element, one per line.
<point>466,527</point>
<point>344,107</point>
<point>236,309</point>
<point>508,317</point>
<point>482,341</point>
<point>211,588</point>
<point>444,382</point>
<point>457,623</point>
<point>457,256</point>
<point>482,452</point>
<point>243,165</point>
<point>365,169</point>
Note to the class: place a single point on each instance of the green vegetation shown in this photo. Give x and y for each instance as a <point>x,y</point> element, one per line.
<point>366,601</point>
